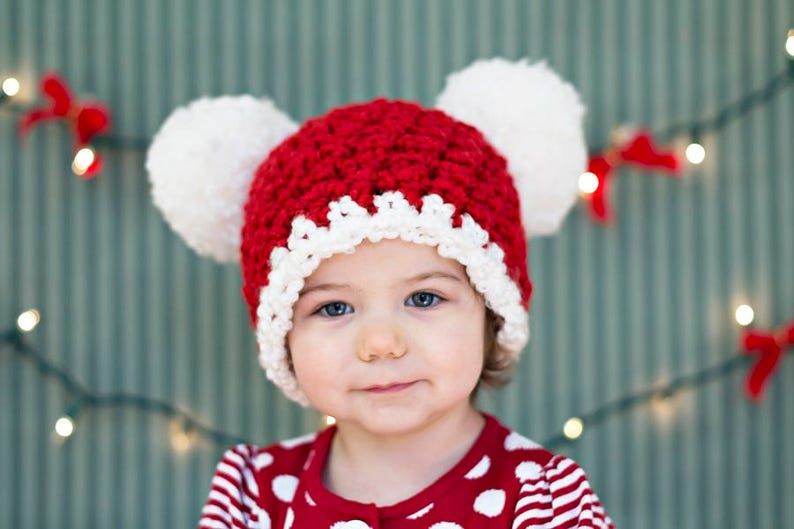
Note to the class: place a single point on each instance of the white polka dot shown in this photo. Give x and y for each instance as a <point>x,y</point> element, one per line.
<point>289,518</point>
<point>284,487</point>
<point>352,524</point>
<point>263,460</point>
<point>302,440</point>
<point>490,503</point>
<point>421,512</point>
<point>480,468</point>
<point>516,441</point>
<point>309,499</point>
<point>528,470</point>
<point>445,525</point>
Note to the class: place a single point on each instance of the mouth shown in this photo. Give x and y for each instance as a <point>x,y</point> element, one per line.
<point>394,387</point>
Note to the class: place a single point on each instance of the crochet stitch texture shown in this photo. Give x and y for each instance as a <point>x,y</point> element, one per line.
<point>364,150</point>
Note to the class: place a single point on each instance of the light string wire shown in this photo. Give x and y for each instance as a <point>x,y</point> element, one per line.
<point>646,396</point>
<point>82,397</point>
<point>85,398</point>
<point>730,112</point>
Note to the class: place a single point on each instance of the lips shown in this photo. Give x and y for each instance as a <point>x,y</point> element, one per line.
<point>394,387</point>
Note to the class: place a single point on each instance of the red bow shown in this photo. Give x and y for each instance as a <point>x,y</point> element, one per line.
<point>639,151</point>
<point>770,345</point>
<point>88,119</point>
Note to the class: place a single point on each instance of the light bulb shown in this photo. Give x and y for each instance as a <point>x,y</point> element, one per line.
<point>181,441</point>
<point>28,320</point>
<point>83,160</point>
<point>573,428</point>
<point>588,183</point>
<point>695,153</point>
<point>790,43</point>
<point>663,406</point>
<point>10,87</point>
<point>744,315</point>
<point>64,426</point>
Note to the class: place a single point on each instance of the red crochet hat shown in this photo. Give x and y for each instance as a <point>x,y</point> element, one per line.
<point>372,171</point>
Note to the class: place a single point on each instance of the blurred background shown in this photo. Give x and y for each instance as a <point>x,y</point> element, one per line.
<point>147,347</point>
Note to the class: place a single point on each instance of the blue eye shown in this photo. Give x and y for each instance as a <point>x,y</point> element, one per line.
<point>337,308</point>
<point>422,300</point>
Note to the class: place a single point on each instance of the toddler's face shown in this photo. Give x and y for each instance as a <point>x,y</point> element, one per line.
<point>388,338</point>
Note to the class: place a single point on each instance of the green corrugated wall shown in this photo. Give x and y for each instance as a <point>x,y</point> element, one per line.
<point>126,307</point>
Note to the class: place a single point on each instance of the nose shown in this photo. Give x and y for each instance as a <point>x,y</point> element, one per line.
<point>381,339</point>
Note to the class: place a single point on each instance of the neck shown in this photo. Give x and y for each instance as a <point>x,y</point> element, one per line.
<point>386,469</point>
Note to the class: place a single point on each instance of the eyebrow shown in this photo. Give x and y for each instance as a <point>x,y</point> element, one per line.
<point>324,286</point>
<point>434,274</point>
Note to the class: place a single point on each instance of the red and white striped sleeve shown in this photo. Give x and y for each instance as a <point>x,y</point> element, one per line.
<point>560,497</point>
<point>232,501</point>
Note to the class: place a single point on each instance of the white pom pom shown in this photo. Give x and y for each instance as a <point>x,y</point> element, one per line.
<point>201,164</point>
<point>534,119</point>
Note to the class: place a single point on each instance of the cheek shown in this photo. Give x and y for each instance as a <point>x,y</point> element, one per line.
<point>312,357</point>
<point>301,352</point>
<point>319,373</point>
<point>461,348</point>
<point>312,376</point>
<point>472,341</point>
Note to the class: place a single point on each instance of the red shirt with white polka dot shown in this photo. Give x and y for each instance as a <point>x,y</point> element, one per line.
<point>505,480</point>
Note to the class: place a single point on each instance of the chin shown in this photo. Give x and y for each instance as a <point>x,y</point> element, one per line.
<point>393,428</point>
<point>399,421</point>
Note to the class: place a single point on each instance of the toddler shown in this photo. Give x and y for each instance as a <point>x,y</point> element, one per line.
<point>383,250</point>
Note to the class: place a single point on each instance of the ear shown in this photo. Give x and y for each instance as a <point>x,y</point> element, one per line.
<point>201,164</point>
<point>535,120</point>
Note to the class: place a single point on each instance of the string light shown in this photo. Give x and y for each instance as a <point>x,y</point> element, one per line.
<point>744,315</point>
<point>663,404</point>
<point>83,160</point>
<point>87,398</point>
<point>695,153</point>
<point>64,427</point>
<point>182,439</point>
<point>191,428</point>
<point>28,320</point>
<point>10,87</point>
<point>573,428</point>
<point>749,101</point>
<point>588,183</point>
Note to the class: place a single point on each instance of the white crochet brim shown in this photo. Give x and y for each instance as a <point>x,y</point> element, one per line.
<point>349,225</point>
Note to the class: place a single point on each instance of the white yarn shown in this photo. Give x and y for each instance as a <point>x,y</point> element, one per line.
<point>201,164</point>
<point>534,119</point>
<point>395,217</point>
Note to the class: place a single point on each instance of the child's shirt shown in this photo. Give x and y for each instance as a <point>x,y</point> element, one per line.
<point>505,480</point>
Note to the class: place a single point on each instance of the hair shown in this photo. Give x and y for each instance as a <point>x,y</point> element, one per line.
<point>497,363</point>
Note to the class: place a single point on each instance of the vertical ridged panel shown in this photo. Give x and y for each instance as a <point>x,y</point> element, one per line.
<point>128,308</point>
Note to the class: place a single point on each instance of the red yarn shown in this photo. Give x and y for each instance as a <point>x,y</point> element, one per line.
<point>364,150</point>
